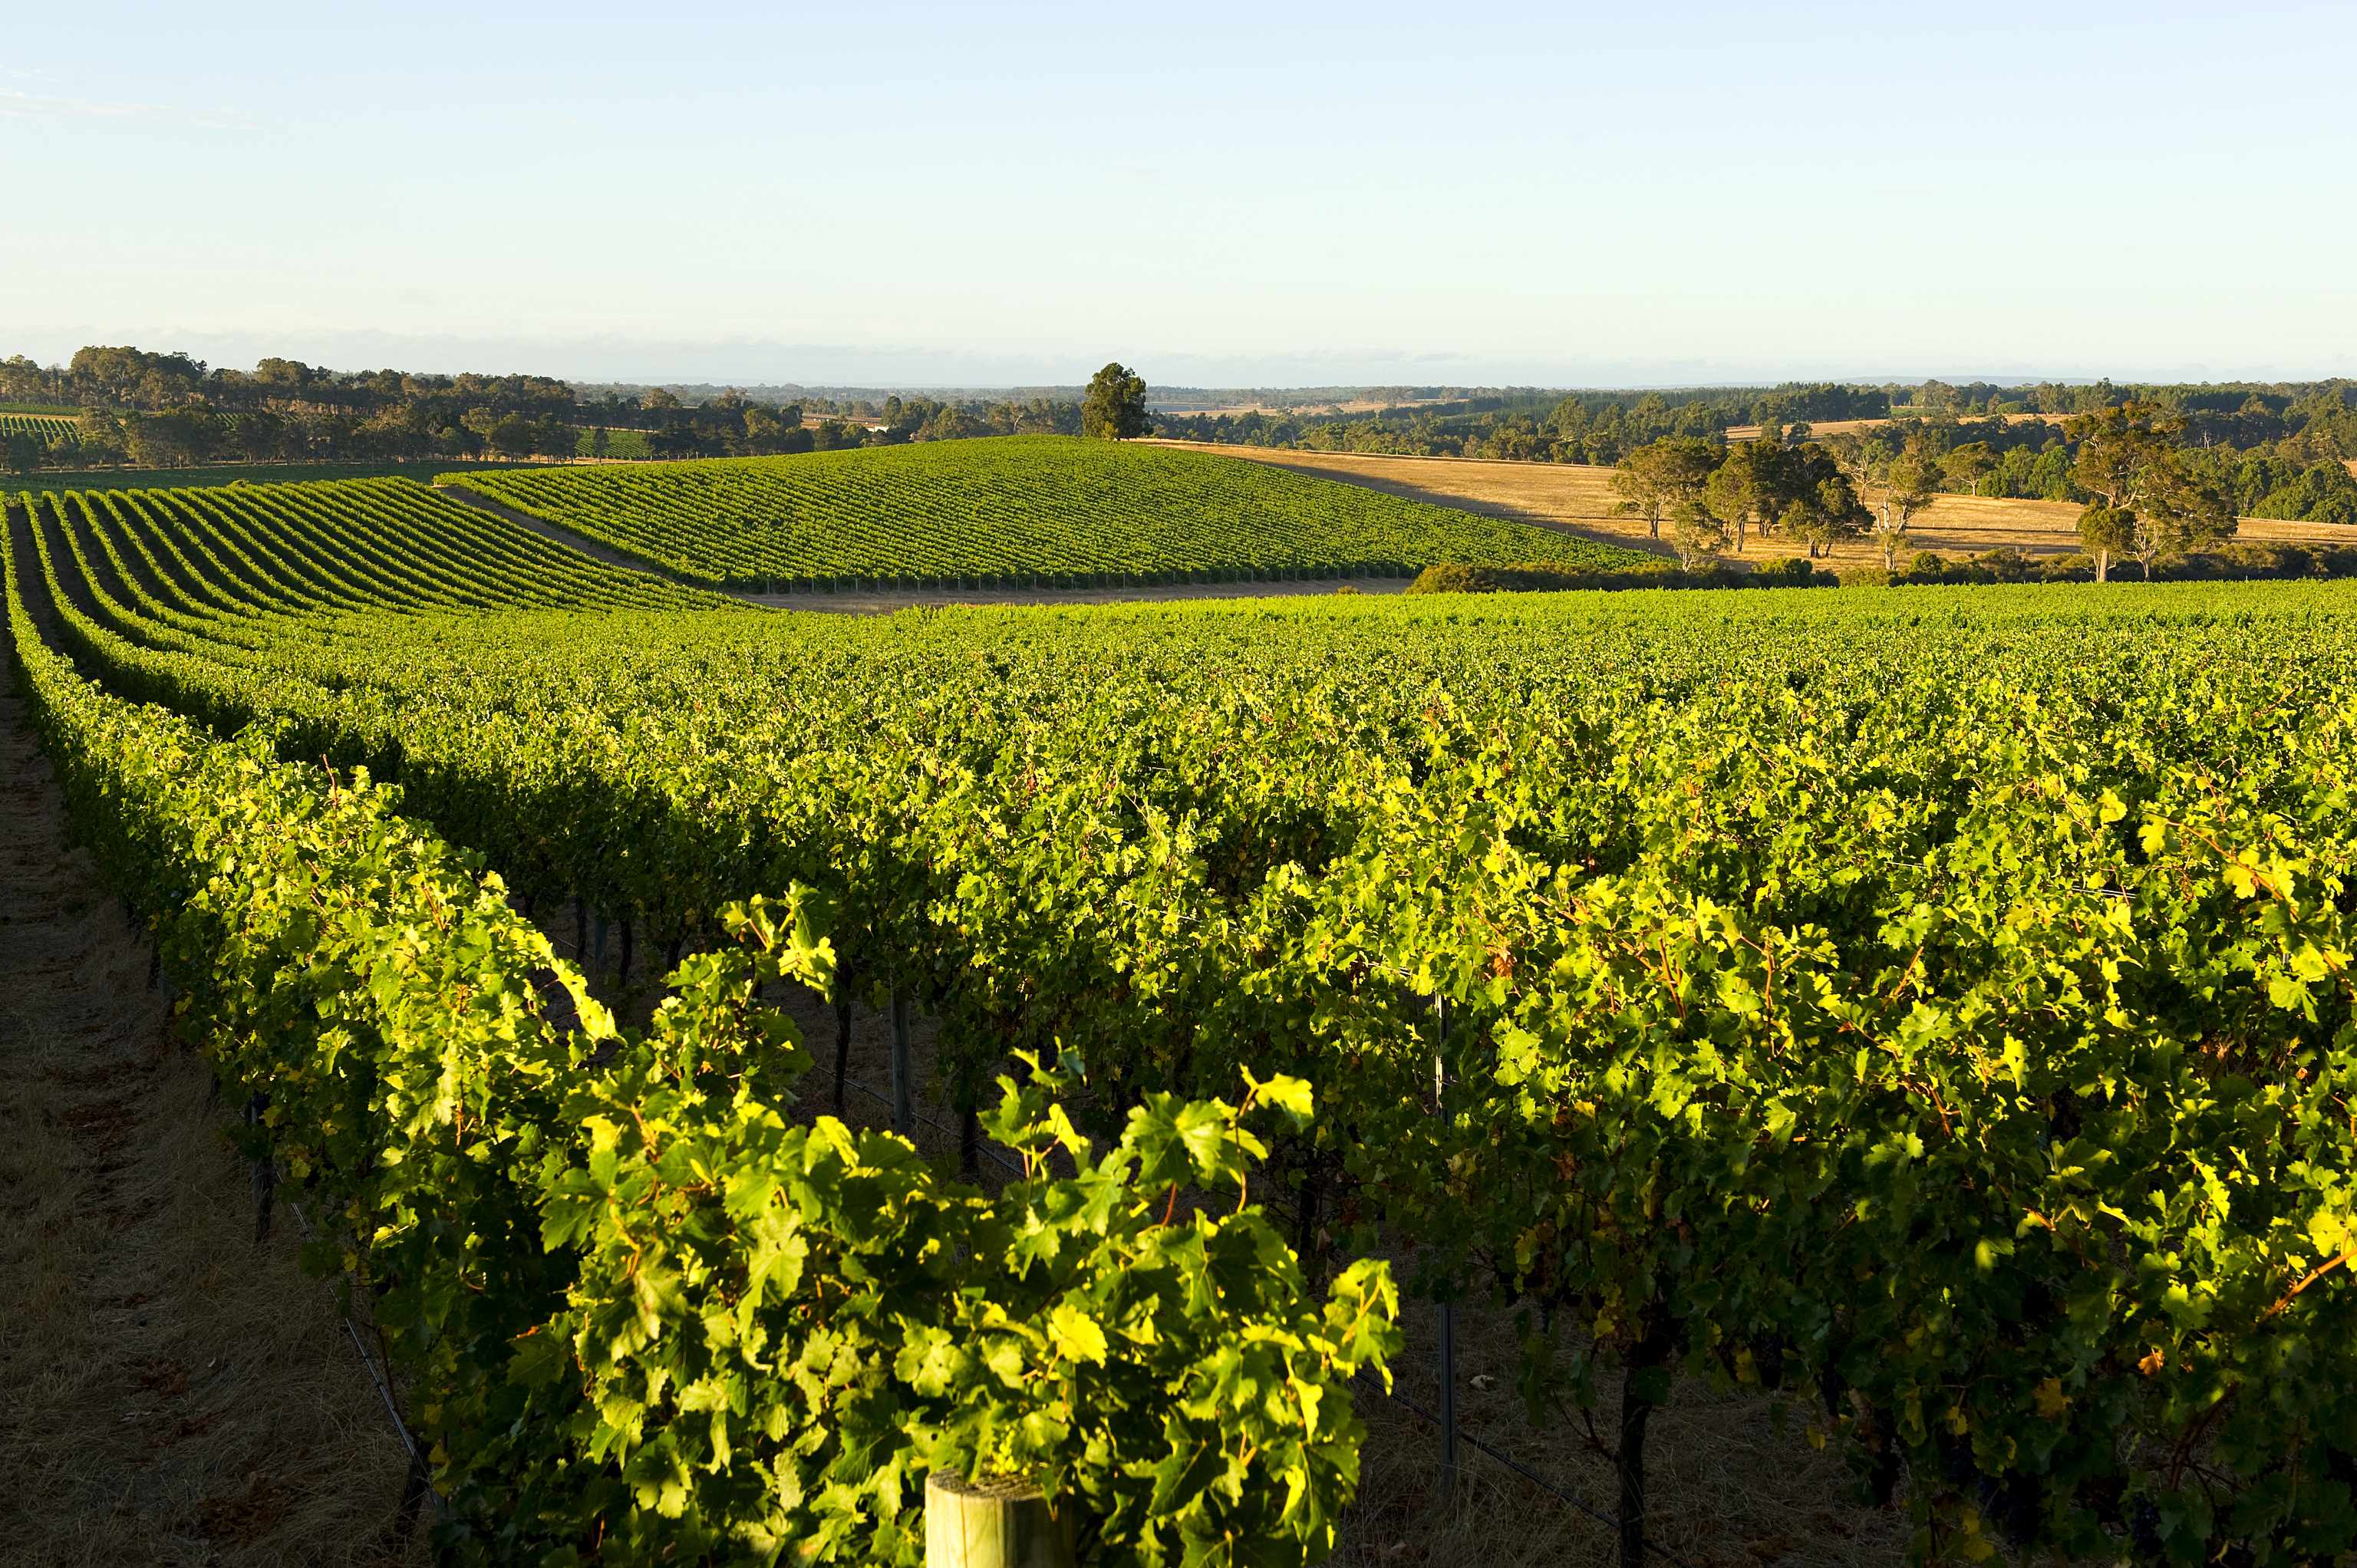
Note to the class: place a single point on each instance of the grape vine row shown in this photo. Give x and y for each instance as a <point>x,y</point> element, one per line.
<point>569,1229</point>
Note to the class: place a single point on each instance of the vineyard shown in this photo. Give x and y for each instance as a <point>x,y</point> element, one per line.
<point>1029,511</point>
<point>1931,1010</point>
<point>50,427</point>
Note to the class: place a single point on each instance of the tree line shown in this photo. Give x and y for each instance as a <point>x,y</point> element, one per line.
<point>732,426</point>
<point>169,410</point>
<point>126,378</point>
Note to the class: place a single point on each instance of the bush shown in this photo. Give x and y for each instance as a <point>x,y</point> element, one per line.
<point>2227,563</point>
<point>2007,565</point>
<point>1459,577</point>
<point>2255,559</point>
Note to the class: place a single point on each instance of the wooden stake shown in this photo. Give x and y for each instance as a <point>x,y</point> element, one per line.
<point>993,1523</point>
<point>1447,1308</point>
<point>904,1093</point>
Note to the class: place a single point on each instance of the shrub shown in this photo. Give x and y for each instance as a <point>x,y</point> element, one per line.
<point>1457,578</point>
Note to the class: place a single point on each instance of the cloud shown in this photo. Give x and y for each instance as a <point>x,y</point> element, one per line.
<point>28,106</point>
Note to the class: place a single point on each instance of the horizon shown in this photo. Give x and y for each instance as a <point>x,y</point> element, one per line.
<point>1162,391</point>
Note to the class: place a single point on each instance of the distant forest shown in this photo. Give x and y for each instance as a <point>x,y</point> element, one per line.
<point>154,410</point>
<point>2279,449</point>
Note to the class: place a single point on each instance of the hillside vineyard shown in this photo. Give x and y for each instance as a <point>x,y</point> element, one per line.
<point>1029,511</point>
<point>1934,1004</point>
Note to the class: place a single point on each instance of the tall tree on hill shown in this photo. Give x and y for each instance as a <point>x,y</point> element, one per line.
<point>1653,480</point>
<point>1115,408</point>
<point>1874,469</point>
<point>1821,507</point>
<point>1747,489</point>
<point>1968,463</point>
<point>1915,479</point>
<point>2128,456</point>
<point>2123,450</point>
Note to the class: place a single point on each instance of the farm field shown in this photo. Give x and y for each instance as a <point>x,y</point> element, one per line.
<point>1016,512</point>
<point>1577,498</point>
<point>1763,993</point>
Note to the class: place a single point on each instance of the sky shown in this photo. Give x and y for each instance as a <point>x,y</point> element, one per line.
<point>1218,195</point>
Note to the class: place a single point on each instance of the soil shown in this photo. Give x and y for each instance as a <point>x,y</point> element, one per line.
<point>172,1392</point>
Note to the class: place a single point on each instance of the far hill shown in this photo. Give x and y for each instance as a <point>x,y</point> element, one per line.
<point>1024,507</point>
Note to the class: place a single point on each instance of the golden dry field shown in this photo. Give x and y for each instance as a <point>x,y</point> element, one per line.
<point>1578,499</point>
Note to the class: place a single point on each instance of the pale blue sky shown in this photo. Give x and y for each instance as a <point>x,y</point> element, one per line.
<point>1221,195</point>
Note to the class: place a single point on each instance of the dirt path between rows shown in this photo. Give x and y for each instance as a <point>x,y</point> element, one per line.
<point>171,1391</point>
<point>864,602</point>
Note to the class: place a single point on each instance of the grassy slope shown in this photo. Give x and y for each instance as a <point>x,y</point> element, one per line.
<point>1010,507</point>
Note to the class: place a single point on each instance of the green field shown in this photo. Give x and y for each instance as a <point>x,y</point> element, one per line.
<point>1940,1001</point>
<point>1048,509</point>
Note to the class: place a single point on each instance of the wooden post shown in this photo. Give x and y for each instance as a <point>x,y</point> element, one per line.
<point>904,1093</point>
<point>842,1040</point>
<point>993,1523</point>
<point>1448,1401</point>
<point>266,1175</point>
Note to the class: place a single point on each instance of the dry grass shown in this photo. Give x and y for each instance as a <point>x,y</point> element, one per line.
<point>1577,498</point>
<point>1725,1488</point>
<point>170,1391</point>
